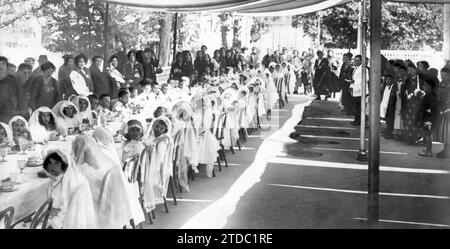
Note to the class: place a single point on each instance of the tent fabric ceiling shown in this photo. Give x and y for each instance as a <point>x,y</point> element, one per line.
<point>239,6</point>
<point>246,7</point>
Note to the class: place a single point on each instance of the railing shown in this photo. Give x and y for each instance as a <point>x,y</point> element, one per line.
<point>164,76</point>
<point>434,58</point>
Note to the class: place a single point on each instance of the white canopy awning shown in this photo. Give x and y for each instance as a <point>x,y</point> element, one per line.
<point>244,7</point>
<point>247,7</point>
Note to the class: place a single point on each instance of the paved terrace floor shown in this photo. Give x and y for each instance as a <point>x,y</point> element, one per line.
<point>300,171</point>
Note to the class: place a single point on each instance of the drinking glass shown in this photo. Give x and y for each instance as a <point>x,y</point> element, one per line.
<point>83,128</point>
<point>23,145</point>
<point>21,164</point>
<point>64,134</point>
<point>3,153</point>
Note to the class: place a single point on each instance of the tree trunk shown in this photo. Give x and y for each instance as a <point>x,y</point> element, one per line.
<point>165,33</point>
<point>224,33</point>
<point>236,32</point>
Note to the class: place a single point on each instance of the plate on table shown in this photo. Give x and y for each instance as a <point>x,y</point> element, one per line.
<point>9,189</point>
<point>42,174</point>
<point>13,152</point>
<point>34,163</point>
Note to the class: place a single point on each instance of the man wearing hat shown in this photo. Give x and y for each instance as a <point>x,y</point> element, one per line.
<point>345,76</point>
<point>38,72</point>
<point>30,60</point>
<point>388,103</point>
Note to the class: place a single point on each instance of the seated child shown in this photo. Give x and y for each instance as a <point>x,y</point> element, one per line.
<point>21,134</point>
<point>133,132</point>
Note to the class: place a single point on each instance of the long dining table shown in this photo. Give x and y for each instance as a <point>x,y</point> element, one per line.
<point>30,190</point>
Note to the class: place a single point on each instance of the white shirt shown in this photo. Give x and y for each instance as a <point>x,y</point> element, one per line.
<point>385,101</point>
<point>356,86</point>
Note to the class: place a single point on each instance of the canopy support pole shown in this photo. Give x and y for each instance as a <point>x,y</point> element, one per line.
<point>375,96</point>
<point>106,35</point>
<point>175,27</point>
<point>362,153</point>
<point>446,32</point>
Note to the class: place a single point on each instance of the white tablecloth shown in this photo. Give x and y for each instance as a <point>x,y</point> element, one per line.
<point>33,192</point>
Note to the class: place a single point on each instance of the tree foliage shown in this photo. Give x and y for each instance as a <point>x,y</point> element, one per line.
<point>412,26</point>
<point>260,26</point>
<point>404,26</point>
<point>74,26</point>
<point>338,25</point>
<point>14,10</point>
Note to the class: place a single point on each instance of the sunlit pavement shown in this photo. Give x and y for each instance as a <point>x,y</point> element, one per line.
<point>311,179</point>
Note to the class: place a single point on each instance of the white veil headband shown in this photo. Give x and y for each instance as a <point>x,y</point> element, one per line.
<point>59,108</point>
<point>244,89</point>
<point>34,120</point>
<point>15,118</point>
<point>76,101</point>
<point>229,92</point>
<point>8,131</point>
<point>167,121</point>
<point>39,132</point>
<point>182,107</point>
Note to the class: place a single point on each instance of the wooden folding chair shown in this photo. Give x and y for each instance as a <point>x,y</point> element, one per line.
<point>42,215</point>
<point>287,82</point>
<point>137,171</point>
<point>7,216</point>
<point>279,84</point>
<point>219,135</point>
<point>131,165</point>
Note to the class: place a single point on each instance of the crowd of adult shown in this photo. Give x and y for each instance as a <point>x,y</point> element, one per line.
<point>205,107</point>
<point>208,104</point>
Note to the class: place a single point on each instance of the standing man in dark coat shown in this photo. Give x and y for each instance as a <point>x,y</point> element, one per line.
<point>345,76</point>
<point>100,81</point>
<point>9,93</point>
<point>391,88</point>
<point>320,83</point>
<point>23,75</point>
<point>149,65</point>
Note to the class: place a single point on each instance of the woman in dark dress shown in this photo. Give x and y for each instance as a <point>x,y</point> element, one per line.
<point>442,133</point>
<point>45,89</point>
<point>132,70</point>
<point>320,82</point>
<point>187,68</point>
<point>411,104</point>
<point>176,71</point>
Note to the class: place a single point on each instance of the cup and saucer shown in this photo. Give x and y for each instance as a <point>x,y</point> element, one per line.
<point>8,185</point>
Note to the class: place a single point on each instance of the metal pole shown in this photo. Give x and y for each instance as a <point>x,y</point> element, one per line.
<point>106,36</point>
<point>362,153</point>
<point>319,29</point>
<point>375,96</point>
<point>175,27</point>
<point>446,47</point>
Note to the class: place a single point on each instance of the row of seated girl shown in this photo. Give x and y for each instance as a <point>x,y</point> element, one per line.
<point>89,187</point>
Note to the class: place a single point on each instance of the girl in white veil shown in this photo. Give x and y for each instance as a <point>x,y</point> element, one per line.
<point>72,199</point>
<point>67,115</point>
<point>208,144</point>
<point>156,164</point>
<point>260,94</point>
<point>231,127</point>
<point>20,130</point>
<point>105,181</point>
<point>6,137</point>
<point>271,92</point>
<point>84,107</point>
<point>186,139</point>
<point>106,142</point>
<point>133,131</point>
<point>43,125</point>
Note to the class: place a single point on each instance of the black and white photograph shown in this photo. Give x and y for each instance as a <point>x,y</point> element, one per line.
<point>224,115</point>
